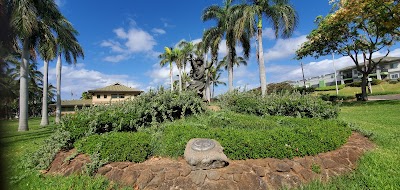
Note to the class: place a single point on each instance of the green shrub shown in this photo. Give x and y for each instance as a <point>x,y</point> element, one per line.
<point>393,82</point>
<point>117,146</point>
<point>354,84</point>
<point>305,90</point>
<point>376,81</point>
<point>287,137</point>
<point>42,158</point>
<point>282,104</point>
<point>334,98</point>
<point>398,80</point>
<point>279,87</point>
<point>148,109</point>
<point>329,88</point>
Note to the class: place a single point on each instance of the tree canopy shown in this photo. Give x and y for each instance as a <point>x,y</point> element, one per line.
<point>357,27</point>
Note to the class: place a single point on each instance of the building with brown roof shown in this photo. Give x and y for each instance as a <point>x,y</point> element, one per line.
<point>106,95</point>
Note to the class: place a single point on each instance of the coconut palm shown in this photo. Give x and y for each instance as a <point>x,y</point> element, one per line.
<point>226,17</point>
<point>168,57</point>
<point>28,22</point>
<point>237,61</point>
<point>215,74</point>
<point>284,20</point>
<point>68,46</point>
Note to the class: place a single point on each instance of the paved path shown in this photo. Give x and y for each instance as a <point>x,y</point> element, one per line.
<point>385,97</point>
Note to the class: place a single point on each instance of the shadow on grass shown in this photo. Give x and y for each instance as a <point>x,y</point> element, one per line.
<point>14,137</point>
<point>375,102</point>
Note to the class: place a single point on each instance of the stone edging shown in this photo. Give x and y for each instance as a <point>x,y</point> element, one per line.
<point>268,173</point>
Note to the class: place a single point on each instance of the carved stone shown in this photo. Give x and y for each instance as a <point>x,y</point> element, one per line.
<point>205,154</point>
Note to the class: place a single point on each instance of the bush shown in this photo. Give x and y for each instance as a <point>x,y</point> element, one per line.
<point>305,90</point>
<point>329,88</point>
<point>42,158</point>
<point>393,82</point>
<point>117,146</point>
<point>334,98</point>
<point>282,104</point>
<point>398,80</point>
<point>376,81</point>
<point>279,87</point>
<point>286,138</point>
<point>148,109</point>
<point>354,84</point>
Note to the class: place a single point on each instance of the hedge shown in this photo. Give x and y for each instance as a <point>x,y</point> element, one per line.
<point>329,88</point>
<point>117,146</point>
<point>294,137</point>
<point>280,104</point>
<point>148,109</point>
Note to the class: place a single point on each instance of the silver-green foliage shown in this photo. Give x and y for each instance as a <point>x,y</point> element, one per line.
<point>148,109</point>
<point>281,104</point>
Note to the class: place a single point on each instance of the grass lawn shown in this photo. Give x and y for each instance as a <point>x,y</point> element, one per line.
<point>16,144</point>
<point>380,89</point>
<point>378,169</point>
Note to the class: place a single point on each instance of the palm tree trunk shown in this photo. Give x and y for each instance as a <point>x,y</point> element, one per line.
<point>58,76</point>
<point>170,76</point>
<point>45,118</point>
<point>263,80</point>
<point>180,79</point>
<point>23,88</point>
<point>230,71</point>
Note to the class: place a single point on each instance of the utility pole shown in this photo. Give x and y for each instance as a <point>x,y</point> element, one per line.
<point>333,62</point>
<point>304,80</point>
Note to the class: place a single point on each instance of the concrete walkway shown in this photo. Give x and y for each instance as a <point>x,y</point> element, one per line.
<point>385,97</point>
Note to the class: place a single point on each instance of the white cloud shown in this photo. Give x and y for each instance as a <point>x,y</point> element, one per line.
<point>77,79</point>
<point>116,58</point>
<point>284,48</point>
<point>60,3</point>
<point>268,33</point>
<point>131,41</point>
<point>158,31</point>
<point>160,75</point>
<point>115,46</point>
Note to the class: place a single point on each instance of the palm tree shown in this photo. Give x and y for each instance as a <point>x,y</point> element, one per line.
<point>215,75</point>
<point>28,22</point>
<point>168,57</point>
<point>284,20</point>
<point>47,48</point>
<point>186,50</point>
<point>226,17</point>
<point>68,45</point>
<point>237,61</point>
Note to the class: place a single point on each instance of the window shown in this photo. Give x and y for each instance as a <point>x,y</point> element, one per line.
<point>98,96</point>
<point>114,95</point>
<point>355,72</point>
<point>393,65</point>
<point>105,96</point>
<point>394,76</point>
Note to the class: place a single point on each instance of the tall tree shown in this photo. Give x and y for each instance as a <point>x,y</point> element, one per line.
<point>284,20</point>
<point>47,48</point>
<point>168,57</point>
<point>358,29</point>
<point>226,16</point>
<point>187,49</point>
<point>67,45</point>
<point>28,22</point>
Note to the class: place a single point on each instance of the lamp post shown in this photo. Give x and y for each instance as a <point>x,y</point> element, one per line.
<point>333,62</point>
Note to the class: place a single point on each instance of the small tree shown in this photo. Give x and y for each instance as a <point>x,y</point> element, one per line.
<point>358,28</point>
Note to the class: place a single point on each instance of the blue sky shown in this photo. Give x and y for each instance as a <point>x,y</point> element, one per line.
<point>122,39</point>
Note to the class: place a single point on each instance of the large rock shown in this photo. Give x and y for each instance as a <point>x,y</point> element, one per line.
<point>205,154</point>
